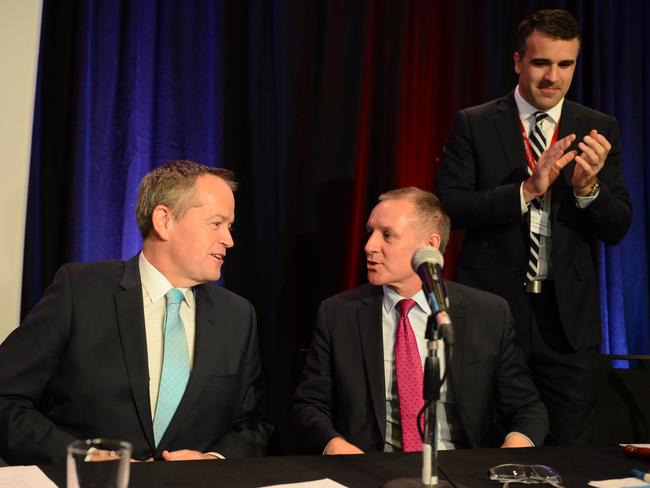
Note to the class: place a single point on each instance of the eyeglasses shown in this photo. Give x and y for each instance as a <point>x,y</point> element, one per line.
<point>525,474</point>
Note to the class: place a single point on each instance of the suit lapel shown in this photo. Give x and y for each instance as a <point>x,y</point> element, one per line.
<point>507,126</point>
<point>130,320</point>
<point>562,188</point>
<point>570,124</point>
<point>370,334</point>
<point>207,332</point>
<point>458,361</point>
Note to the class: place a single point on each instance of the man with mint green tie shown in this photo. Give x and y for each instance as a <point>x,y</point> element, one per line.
<point>146,350</point>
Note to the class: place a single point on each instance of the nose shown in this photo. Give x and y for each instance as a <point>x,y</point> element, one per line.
<point>371,244</point>
<point>227,241</point>
<point>551,74</point>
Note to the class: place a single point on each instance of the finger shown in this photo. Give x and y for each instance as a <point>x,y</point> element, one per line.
<point>589,153</point>
<point>557,149</point>
<point>567,139</point>
<point>585,165</point>
<point>564,160</point>
<point>596,145</point>
<point>602,140</point>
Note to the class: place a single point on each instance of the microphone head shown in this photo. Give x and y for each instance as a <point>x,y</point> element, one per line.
<point>427,254</point>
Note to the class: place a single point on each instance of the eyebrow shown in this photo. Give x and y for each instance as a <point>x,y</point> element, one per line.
<point>218,216</point>
<point>546,60</point>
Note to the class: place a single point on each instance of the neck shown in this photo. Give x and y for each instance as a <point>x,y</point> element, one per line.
<point>407,291</point>
<point>156,256</point>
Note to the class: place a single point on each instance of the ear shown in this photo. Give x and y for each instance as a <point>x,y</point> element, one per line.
<point>162,220</point>
<point>517,60</point>
<point>433,240</point>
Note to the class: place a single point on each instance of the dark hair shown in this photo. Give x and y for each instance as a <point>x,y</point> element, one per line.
<point>172,185</point>
<point>558,24</point>
<point>431,217</point>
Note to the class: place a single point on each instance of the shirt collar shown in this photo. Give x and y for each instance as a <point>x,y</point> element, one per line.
<point>391,297</point>
<point>526,110</point>
<point>155,284</point>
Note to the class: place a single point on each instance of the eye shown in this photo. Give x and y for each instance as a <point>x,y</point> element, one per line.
<point>388,236</point>
<point>539,63</point>
<point>565,64</point>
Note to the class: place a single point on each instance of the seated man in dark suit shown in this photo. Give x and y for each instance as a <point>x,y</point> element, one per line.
<point>148,350</point>
<point>369,346</point>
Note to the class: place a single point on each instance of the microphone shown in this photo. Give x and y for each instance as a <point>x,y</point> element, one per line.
<point>427,262</point>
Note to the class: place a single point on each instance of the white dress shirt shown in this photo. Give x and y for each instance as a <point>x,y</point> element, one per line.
<point>548,126</point>
<point>418,318</point>
<point>154,288</point>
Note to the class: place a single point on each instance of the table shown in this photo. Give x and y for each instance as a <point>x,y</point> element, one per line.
<point>464,468</point>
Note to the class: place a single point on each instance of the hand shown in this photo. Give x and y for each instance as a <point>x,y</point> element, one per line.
<point>548,168</point>
<point>516,440</point>
<point>186,455</point>
<point>338,445</point>
<point>595,148</point>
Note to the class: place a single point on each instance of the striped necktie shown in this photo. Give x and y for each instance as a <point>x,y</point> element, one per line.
<point>409,375</point>
<point>538,145</point>
<point>176,365</point>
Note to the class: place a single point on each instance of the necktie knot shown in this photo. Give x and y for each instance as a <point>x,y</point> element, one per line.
<point>539,117</point>
<point>405,305</point>
<point>174,296</point>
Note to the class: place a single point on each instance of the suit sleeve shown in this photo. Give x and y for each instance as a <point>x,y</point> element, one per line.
<point>251,426</point>
<point>29,358</point>
<point>311,424</point>
<point>610,215</point>
<point>456,182</point>
<point>517,399</point>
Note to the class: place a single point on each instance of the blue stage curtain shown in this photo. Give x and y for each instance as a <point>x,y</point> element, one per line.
<point>614,77</point>
<point>123,86</point>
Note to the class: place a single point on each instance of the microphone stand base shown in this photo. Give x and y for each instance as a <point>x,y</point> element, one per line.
<point>415,483</point>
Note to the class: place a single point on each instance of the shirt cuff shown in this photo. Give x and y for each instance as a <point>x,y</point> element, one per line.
<point>522,201</point>
<point>584,202</point>
<point>532,444</point>
<point>215,454</point>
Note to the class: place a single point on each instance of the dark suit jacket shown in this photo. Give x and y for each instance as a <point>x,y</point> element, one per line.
<point>342,388</point>
<point>77,368</point>
<point>478,183</point>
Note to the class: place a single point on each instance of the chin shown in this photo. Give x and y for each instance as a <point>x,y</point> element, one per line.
<point>212,277</point>
<point>373,279</point>
<point>544,103</point>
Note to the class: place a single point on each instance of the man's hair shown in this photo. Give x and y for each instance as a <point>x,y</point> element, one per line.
<point>430,215</point>
<point>172,185</point>
<point>558,24</point>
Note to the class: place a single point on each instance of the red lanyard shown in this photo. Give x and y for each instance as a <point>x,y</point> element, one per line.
<point>530,158</point>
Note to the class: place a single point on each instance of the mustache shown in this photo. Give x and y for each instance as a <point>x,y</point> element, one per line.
<point>546,84</point>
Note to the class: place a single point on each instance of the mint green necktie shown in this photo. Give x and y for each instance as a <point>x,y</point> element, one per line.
<point>176,365</point>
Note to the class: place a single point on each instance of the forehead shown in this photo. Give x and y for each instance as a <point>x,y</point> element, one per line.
<point>393,214</point>
<point>541,46</point>
<point>211,191</point>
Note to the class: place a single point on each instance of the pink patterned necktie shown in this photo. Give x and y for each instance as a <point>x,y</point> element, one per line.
<point>408,371</point>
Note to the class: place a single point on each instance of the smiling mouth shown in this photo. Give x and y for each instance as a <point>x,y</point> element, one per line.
<point>218,257</point>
